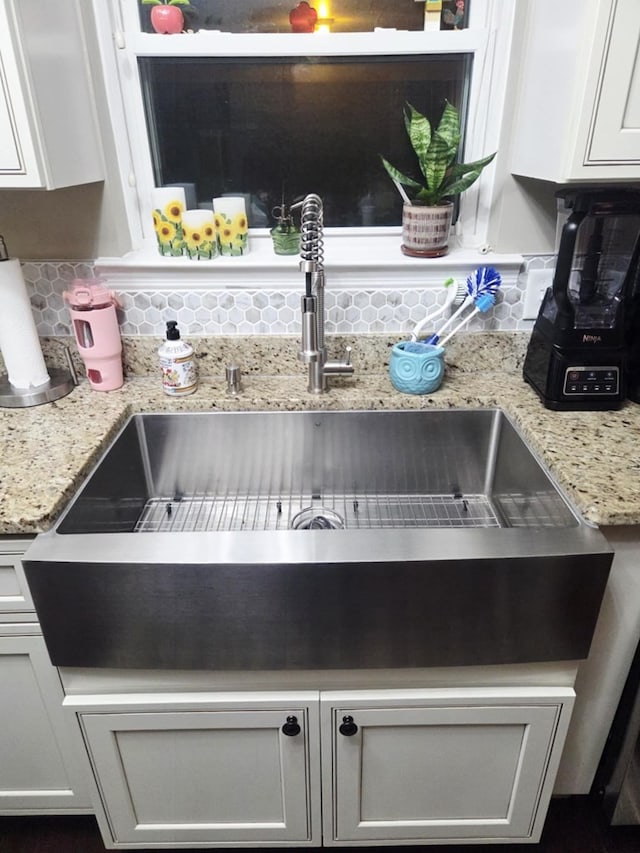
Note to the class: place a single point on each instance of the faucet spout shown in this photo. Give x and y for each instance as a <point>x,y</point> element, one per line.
<point>313,351</point>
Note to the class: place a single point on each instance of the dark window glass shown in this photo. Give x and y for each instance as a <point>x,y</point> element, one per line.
<point>293,126</point>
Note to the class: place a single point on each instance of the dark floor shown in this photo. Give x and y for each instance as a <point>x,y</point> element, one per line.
<point>574,825</point>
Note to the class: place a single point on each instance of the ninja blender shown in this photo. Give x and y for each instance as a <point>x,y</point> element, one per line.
<point>576,358</point>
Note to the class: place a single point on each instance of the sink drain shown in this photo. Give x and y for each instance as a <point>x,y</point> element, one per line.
<point>317,518</point>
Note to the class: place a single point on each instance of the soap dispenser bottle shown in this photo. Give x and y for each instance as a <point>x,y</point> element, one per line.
<point>177,364</point>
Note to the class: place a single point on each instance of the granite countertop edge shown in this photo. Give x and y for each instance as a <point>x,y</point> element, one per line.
<point>48,450</point>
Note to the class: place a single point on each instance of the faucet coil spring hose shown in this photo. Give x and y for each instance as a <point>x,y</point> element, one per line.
<point>311,235</point>
<point>312,349</point>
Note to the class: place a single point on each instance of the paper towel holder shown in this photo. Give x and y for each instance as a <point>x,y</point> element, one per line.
<point>61,382</point>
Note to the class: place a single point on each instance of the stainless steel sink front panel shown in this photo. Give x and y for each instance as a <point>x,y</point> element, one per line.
<point>282,616</point>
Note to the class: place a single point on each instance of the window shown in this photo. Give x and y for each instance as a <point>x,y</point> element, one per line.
<point>261,112</point>
<point>272,16</point>
<point>282,127</point>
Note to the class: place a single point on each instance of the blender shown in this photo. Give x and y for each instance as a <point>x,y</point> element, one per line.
<point>576,358</point>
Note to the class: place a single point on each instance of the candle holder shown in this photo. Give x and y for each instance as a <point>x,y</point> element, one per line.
<point>232,227</point>
<point>168,206</point>
<point>200,239</point>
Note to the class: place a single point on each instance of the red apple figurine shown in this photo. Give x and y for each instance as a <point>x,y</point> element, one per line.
<point>167,19</point>
<point>303,18</point>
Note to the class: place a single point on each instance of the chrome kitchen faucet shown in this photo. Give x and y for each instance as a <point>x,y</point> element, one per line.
<point>313,351</point>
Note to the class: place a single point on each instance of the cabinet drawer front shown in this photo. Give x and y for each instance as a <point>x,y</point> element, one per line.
<point>449,773</point>
<point>14,592</point>
<point>202,776</point>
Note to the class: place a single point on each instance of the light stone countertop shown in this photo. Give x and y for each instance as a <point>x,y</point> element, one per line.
<point>48,450</point>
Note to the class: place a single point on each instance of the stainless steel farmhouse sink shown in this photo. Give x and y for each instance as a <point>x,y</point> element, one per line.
<point>306,540</point>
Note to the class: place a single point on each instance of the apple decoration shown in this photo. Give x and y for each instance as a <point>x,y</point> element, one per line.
<point>165,16</point>
<point>303,18</point>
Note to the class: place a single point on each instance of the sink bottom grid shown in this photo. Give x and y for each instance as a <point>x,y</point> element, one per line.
<point>189,514</point>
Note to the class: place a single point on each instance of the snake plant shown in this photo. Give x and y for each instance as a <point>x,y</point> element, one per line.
<point>442,177</point>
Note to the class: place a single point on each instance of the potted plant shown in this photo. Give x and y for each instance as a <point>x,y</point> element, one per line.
<point>165,16</point>
<point>426,220</point>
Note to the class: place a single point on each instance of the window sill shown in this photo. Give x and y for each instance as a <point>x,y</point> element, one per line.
<point>354,259</point>
<point>379,41</point>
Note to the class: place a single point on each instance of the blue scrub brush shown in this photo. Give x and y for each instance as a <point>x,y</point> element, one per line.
<point>482,303</point>
<point>482,286</point>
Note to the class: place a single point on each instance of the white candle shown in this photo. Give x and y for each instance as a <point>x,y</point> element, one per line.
<point>168,206</point>
<point>232,225</point>
<point>199,233</point>
<point>170,201</point>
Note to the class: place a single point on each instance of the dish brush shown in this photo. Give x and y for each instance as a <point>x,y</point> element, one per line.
<point>482,286</point>
<point>456,295</point>
<point>482,303</point>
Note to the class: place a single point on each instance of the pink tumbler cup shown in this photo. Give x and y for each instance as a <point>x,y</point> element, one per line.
<point>95,327</point>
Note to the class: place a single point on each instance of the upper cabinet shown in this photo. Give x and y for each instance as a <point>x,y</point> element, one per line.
<point>578,114</point>
<point>48,129</point>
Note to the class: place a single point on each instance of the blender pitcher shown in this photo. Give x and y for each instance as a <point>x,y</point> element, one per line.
<point>576,356</point>
<point>95,328</point>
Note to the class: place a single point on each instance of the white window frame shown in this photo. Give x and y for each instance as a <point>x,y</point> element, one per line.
<point>352,251</point>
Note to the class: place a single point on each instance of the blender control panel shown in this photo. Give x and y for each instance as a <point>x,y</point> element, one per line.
<point>591,380</point>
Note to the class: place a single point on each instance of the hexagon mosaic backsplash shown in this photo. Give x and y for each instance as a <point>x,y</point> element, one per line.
<point>264,311</point>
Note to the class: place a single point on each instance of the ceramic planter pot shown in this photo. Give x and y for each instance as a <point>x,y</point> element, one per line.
<point>425,230</point>
<point>167,19</point>
<point>416,368</point>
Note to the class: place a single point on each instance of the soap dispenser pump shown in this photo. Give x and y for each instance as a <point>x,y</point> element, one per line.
<point>177,364</point>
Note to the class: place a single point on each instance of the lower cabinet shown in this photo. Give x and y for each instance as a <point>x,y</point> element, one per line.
<point>324,768</point>
<point>40,769</point>
<point>441,766</point>
<point>41,750</point>
<point>210,773</point>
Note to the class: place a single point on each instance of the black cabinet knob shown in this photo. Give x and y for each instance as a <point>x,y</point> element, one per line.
<point>348,728</point>
<point>291,728</point>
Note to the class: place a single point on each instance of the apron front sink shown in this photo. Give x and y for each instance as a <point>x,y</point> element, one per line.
<point>305,540</point>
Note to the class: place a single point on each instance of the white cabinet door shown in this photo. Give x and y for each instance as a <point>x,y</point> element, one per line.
<point>39,770</point>
<point>448,765</point>
<point>616,128</point>
<point>10,160</point>
<point>577,116</point>
<point>18,161</point>
<point>207,775</point>
<point>49,134</point>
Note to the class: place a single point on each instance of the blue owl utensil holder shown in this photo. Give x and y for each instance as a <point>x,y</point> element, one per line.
<point>416,368</point>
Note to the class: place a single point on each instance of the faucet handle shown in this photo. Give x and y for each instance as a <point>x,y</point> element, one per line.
<point>340,368</point>
<point>233,377</point>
